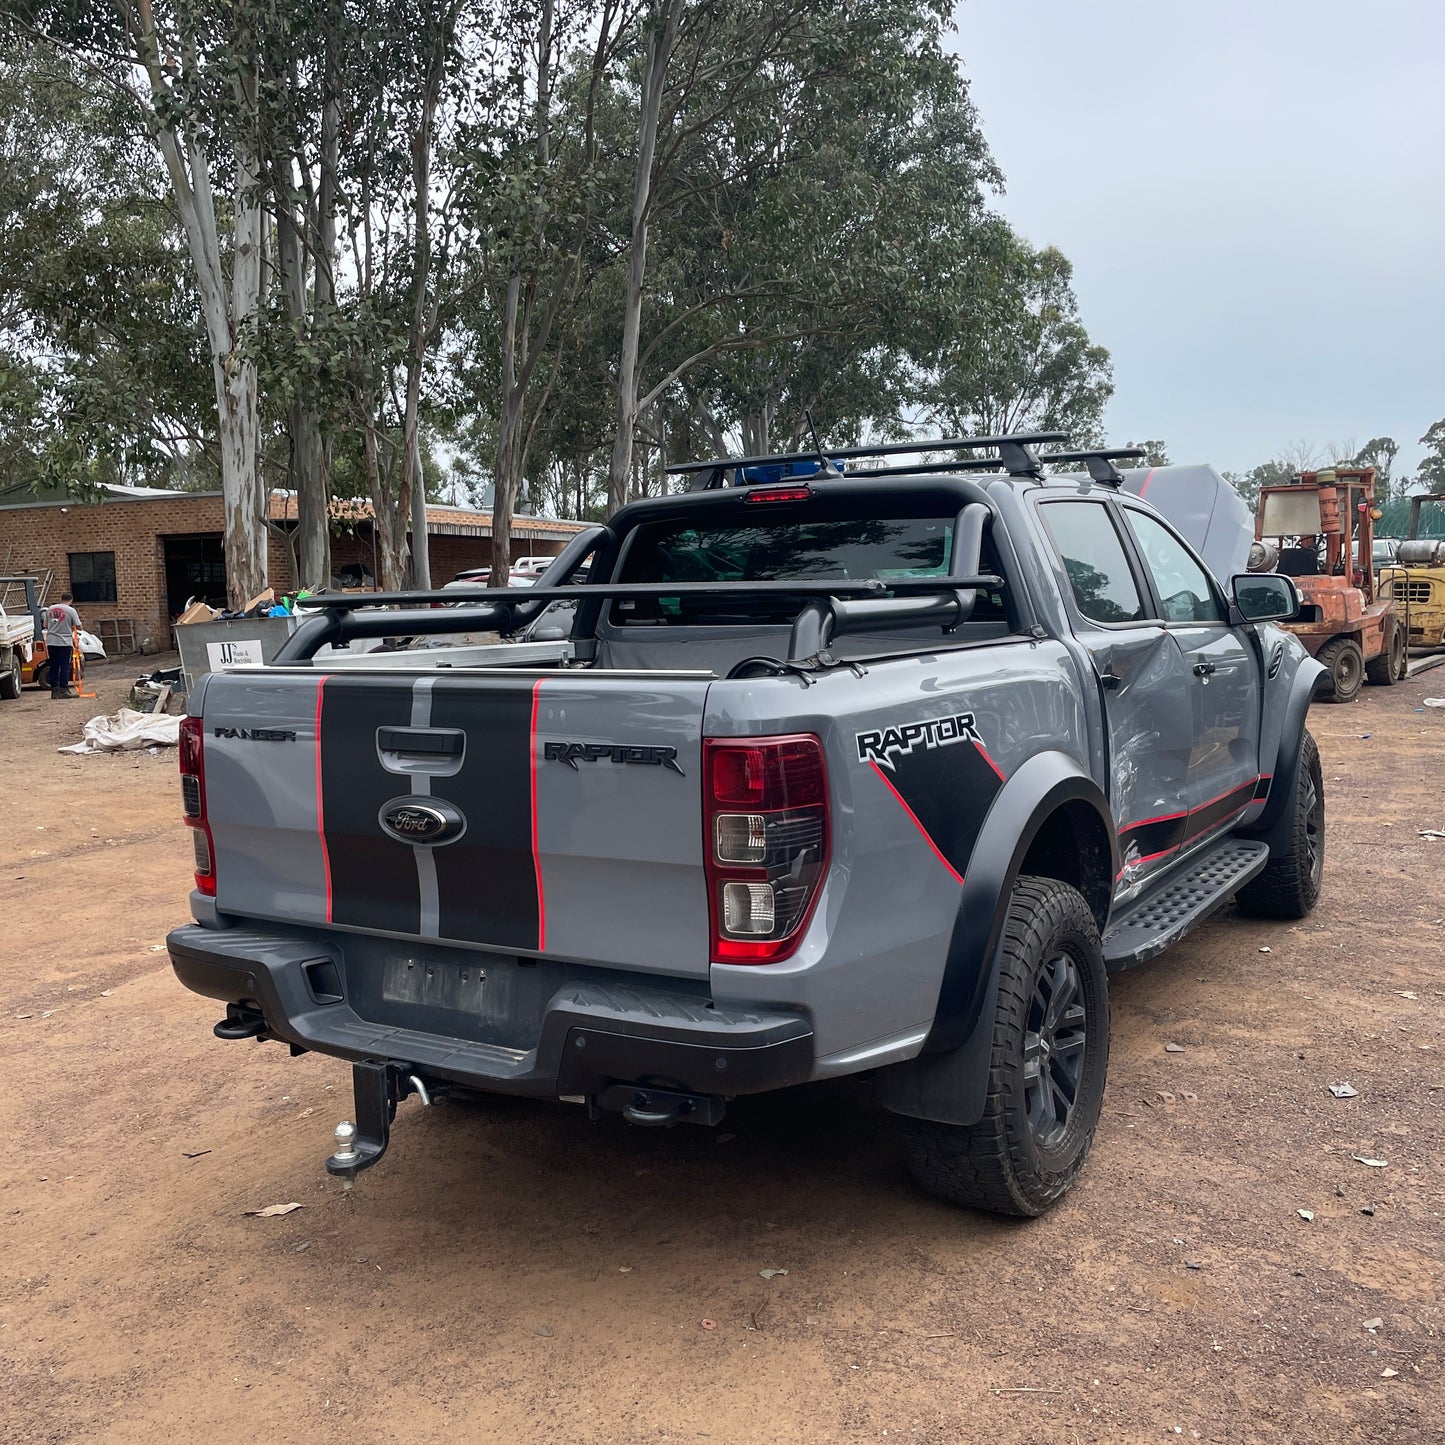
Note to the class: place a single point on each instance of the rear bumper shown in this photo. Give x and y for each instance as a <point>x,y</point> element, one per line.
<point>592,1034</point>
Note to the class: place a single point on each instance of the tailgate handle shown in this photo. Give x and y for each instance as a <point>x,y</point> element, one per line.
<point>421,749</point>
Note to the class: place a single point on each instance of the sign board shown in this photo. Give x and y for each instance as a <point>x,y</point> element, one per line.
<point>234,654</point>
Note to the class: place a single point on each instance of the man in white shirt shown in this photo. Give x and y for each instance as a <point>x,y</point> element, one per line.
<point>61,624</point>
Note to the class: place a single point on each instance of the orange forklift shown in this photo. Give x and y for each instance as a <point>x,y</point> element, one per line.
<point>1320,530</point>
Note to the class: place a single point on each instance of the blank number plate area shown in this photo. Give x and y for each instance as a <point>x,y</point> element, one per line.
<point>434,985</point>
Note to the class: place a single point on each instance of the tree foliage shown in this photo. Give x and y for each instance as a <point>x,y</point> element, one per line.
<point>575,239</point>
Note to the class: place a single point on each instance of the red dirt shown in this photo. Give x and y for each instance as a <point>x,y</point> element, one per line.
<point>512,1272</point>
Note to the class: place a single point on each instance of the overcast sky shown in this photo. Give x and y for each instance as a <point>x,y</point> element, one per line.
<point>1252,193</point>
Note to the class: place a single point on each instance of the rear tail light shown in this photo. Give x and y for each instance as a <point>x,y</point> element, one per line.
<point>767,843</point>
<point>193,802</point>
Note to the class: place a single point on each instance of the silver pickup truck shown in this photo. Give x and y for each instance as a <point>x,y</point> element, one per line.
<point>834,772</point>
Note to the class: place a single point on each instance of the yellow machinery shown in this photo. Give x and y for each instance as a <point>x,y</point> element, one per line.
<point>1416,580</point>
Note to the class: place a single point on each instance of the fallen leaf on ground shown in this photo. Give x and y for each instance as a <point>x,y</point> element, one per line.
<point>272,1210</point>
<point>771,1273</point>
<point>1373,1324</point>
<point>1306,1214</point>
<point>1388,1374</point>
<point>1370,1163</point>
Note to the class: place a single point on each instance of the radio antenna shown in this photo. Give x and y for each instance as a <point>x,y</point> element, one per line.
<point>825,467</point>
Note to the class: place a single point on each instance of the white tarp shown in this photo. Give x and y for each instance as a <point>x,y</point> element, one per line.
<point>126,730</point>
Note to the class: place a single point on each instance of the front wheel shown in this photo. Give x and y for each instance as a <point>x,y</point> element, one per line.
<point>1049,1056</point>
<point>1393,663</point>
<point>41,676</point>
<point>1289,886</point>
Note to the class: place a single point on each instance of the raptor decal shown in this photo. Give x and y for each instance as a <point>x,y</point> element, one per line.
<point>885,745</point>
<point>941,774</point>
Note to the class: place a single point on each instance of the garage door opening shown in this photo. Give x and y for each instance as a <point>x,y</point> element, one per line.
<point>195,571</point>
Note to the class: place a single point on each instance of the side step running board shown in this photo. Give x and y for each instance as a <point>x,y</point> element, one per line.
<point>1159,919</point>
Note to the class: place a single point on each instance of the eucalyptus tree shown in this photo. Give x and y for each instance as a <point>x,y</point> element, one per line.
<point>191,70</point>
<point>101,361</point>
<point>1013,354</point>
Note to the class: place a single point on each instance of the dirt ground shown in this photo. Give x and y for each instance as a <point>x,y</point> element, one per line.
<point>511,1272</point>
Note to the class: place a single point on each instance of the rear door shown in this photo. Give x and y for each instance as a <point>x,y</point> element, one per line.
<point>1223,670</point>
<point>1143,684</point>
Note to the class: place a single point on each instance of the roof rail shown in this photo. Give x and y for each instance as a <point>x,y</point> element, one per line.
<point>1015,455</point>
<point>1099,461</point>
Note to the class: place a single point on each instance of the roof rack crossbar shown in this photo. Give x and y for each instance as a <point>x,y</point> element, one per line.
<point>1099,461</point>
<point>1015,454</point>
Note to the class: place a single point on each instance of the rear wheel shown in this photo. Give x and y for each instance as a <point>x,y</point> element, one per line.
<point>10,677</point>
<point>1049,1057</point>
<point>1345,661</point>
<point>1391,665</point>
<point>1289,886</point>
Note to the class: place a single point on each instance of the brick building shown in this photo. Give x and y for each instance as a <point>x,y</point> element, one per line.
<point>137,556</point>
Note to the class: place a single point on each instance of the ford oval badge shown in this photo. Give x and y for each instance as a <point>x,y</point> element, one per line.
<point>422,820</point>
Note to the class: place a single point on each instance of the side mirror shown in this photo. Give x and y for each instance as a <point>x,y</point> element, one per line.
<point>1265,597</point>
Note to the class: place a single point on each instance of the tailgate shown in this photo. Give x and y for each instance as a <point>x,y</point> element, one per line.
<point>559,816</point>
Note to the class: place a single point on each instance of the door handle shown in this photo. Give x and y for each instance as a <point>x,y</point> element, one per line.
<point>436,751</point>
<point>1110,680</point>
<point>1204,669</point>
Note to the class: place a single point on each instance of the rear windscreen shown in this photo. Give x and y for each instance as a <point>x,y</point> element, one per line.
<point>729,548</point>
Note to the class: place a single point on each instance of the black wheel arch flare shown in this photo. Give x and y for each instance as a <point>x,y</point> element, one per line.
<point>1047,784</point>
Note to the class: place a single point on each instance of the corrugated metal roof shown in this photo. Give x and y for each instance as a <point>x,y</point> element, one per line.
<point>443,519</point>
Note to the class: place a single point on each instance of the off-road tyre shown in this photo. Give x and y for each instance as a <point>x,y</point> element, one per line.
<point>1010,1162</point>
<point>1344,659</point>
<point>10,678</point>
<point>1289,886</point>
<point>1392,664</point>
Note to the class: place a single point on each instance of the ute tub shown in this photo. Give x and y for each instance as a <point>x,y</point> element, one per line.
<point>549,1030</point>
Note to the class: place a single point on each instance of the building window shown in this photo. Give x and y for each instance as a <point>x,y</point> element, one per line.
<point>92,576</point>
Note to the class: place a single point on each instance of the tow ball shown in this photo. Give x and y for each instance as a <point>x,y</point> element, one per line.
<point>378,1087</point>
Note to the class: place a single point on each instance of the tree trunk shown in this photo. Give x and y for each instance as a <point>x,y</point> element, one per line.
<point>243,497</point>
<point>313,532</point>
<point>420,542</point>
<point>664,38</point>
<point>388,517</point>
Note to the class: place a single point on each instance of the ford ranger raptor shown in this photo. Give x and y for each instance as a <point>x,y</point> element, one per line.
<point>842,766</point>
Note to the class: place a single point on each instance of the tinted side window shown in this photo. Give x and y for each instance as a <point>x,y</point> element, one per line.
<point>1094,558</point>
<point>1183,585</point>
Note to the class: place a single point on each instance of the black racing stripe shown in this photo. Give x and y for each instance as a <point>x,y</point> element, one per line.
<point>486,881</point>
<point>373,876</point>
<point>949,790</point>
<point>1151,838</point>
<point>1214,813</point>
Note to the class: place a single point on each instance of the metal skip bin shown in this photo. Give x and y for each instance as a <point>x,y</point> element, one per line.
<point>238,642</point>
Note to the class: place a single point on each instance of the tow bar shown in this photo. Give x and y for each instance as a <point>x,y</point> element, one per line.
<point>379,1087</point>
